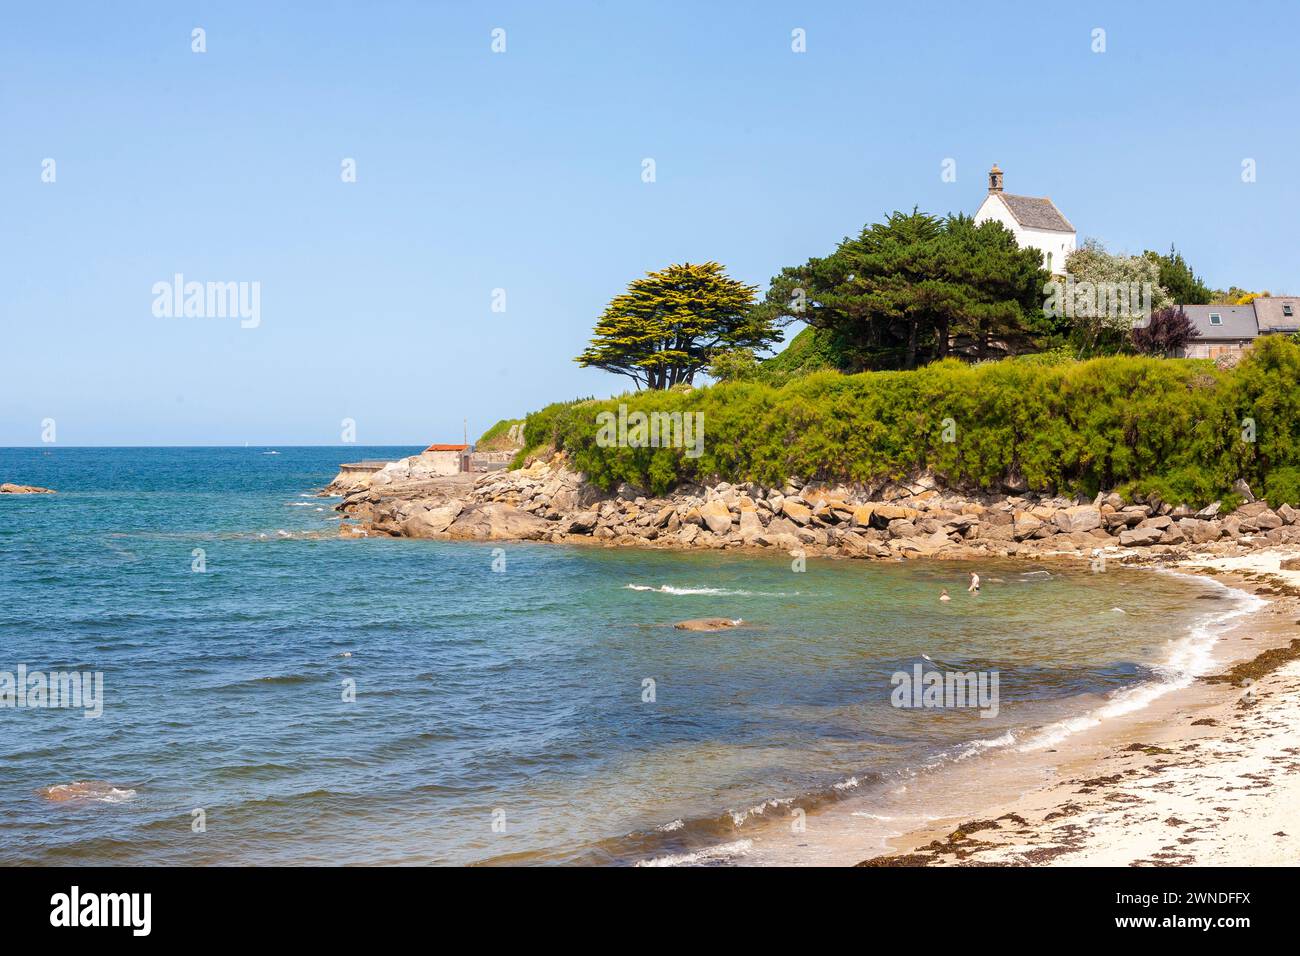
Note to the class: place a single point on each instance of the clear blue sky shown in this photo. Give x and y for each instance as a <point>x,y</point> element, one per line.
<point>522,171</point>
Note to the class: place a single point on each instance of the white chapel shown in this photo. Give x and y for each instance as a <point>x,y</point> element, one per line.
<point>1034,220</point>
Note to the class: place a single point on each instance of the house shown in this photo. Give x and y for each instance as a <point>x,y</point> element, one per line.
<point>1278,313</point>
<point>1034,220</point>
<point>447,459</point>
<point>1228,329</point>
<point>1224,329</point>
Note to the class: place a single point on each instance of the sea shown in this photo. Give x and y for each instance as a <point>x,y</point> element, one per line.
<point>269,693</point>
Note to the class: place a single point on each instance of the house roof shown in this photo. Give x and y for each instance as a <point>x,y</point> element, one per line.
<point>448,448</point>
<point>1236,321</point>
<point>1270,313</point>
<point>1035,212</point>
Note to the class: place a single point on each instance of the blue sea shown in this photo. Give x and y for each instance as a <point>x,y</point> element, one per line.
<point>273,694</point>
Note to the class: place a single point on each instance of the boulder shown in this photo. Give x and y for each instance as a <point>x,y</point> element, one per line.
<point>795,511</point>
<point>497,521</point>
<point>750,526</point>
<point>1200,532</point>
<point>708,624</point>
<point>11,489</point>
<point>583,522</point>
<point>1267,520</point>
<point>1140,537</point>
<point>1077,518</point>
<point>1209,511</point>
<point>1288,514</point>
<point>432,522</point>
<point>717,516</point>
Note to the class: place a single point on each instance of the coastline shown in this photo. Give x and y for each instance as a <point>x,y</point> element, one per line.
<point>1208,773</point>
<point>1173,775</point>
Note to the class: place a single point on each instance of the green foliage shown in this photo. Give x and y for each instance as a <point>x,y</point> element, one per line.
<point>916,288</point>
<point>1282,486</point>
<point>545,428</point>
<point>1169,426</point>
<point>809,351</point>
<point>673,323</point>
<point>497,435</point>
<point>1177,278</point>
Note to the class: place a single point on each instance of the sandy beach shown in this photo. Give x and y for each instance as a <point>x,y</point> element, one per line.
<point>1207,774</point>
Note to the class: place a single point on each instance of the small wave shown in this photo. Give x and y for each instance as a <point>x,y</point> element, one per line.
<point>1189,657</point>
<point>86,791</point>
<point>670,589</point>
<point>713,854</point>
<point>670,826</point>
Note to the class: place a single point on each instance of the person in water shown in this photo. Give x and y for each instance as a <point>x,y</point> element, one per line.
<point>974,583</point>
<point>943,595</point>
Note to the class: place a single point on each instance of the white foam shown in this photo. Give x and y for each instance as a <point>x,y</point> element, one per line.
<point>1189,658</point>
<point>670,589</point>
<point>670,826</point>
<point>723,852</point>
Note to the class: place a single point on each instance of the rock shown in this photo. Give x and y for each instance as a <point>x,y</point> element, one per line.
<point>1290,564</point>
<point>1209,511</point>
<point>1078,518</point>
<point>799,513</point>
<point>707,624</point>
<point>750,526</point>
<point>497,521</point>
<point>1172,535</point>
<point>433,522</point>
<point>717,516</point>
<point>1029,526</point>
<point>11,489</point>
<point>688,534</point>
<point>1140,537</point>
<point>1200,532</point>
<point>887,513</point>
<point>583,522</point>
<point>1288,514</point>
<point>1160,522</point>
<point>862,515</point>
<point>1267,520</point>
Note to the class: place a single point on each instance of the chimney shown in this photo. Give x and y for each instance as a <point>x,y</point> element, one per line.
<point>995,179</point>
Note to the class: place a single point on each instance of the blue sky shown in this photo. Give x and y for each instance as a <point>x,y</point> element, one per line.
<point>522,171</point>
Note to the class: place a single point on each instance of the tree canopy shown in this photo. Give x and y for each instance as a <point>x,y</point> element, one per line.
<point>916,288</point>
<point>673,323</point>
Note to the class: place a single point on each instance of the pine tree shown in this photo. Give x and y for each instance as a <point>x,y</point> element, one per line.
<point>672,323</point>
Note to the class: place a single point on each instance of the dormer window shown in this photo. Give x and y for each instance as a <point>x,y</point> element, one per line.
<point>1286,309</point>
<point>1216,318</point>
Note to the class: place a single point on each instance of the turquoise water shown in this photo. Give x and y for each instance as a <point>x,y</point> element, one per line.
<point>499,715</point>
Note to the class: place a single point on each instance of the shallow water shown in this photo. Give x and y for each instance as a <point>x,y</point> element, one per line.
<point>499,715</point>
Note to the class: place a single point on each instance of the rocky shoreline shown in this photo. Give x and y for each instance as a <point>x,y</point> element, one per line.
<point>548,501</point>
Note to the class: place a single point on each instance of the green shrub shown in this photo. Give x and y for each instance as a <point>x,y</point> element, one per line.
<point>1282,486</point>
<point>1179,428</point>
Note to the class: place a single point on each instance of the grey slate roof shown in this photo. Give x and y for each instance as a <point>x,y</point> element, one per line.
<point>1270,313</point>
<point>1238,321</point>
<point>1035,212</point>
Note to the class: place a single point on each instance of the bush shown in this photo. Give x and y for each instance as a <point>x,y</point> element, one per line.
<point>1282,486</point>
<point>1175,427</point>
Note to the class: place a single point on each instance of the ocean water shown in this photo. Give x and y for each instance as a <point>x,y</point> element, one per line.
<point>516,703</point>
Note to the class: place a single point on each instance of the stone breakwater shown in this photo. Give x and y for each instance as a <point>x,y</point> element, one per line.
<point>548,501</point>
